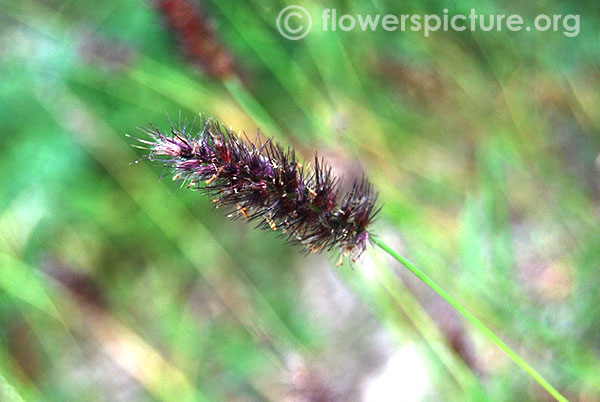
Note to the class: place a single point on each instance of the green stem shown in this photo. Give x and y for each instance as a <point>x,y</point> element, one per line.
<point>473,320</point>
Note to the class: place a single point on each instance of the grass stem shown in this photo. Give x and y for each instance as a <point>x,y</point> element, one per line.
<point>473,320</point>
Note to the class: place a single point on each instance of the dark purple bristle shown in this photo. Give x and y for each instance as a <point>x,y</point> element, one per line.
<point>265,183</point>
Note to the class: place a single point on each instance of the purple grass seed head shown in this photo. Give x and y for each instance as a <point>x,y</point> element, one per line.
<point>264,182</point>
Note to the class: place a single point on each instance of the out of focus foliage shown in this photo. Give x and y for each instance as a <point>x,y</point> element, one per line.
<point>484,147</point>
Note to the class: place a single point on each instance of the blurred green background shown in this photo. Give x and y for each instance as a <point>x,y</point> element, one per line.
<point>484,146</point>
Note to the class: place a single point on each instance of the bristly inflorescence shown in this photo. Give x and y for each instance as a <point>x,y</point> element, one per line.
<point>264,182</point>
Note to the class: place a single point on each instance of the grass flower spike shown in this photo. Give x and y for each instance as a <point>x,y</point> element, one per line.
<point>194,31</point>
<point>266,183</point>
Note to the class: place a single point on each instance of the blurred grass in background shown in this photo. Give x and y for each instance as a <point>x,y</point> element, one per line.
<point>484,147</point>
